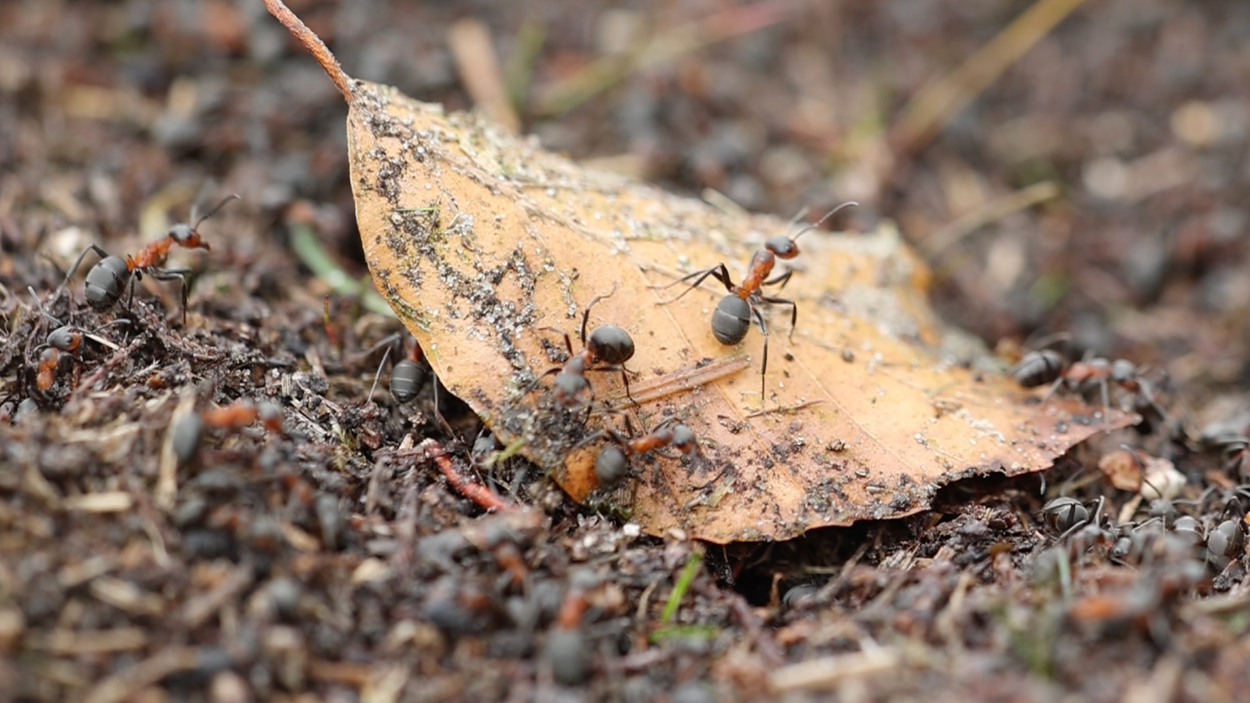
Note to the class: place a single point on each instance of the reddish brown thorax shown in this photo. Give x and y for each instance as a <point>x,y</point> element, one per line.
<point>762,263</point>
<point>157,252</point>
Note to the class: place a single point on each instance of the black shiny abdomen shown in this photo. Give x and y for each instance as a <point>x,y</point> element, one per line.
<point>611,344</point>
<point>105,282</point>
<point>731,320</point>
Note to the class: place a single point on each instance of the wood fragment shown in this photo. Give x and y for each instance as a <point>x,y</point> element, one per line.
<point>827,672</point>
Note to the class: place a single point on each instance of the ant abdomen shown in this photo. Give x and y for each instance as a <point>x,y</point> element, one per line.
<point>611,465</point>
<point>731,320</point>
<point>1038,368</point>
<point>611,344</point>
<point>106,281</point>
<point>406,380</point>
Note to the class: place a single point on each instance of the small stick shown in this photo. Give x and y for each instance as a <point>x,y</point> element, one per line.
<point>325,320</point>
<point>315,46</point>
<point>467,487</point>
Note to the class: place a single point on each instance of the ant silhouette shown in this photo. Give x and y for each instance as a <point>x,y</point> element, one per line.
<point>731,320</point>
<point>108,278</point>
<point>608,345</point>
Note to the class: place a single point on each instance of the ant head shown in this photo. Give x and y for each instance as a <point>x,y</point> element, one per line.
<point>569,386</point>
<point>1123,370</point>
<point>64,338</point>
<point>684,439</point>
<point>188,235</point>
<point>183,235</point>
<point>783,247</point>
<point>787,247</point>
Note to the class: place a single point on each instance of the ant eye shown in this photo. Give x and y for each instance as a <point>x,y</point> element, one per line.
<point>181,232</point>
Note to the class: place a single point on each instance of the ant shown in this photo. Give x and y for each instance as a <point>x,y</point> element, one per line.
<point>1044,366</point>
<point>731,320</point>
<point>612,463</point>
<point>189,432</point>
<point>608,345</point>
<point>63,339</point>
<point>108,278</point>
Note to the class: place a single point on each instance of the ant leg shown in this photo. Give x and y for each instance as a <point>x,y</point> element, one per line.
<point>74,269</point>
<point>718,271</point>
<point>794,310</point>
<point>163,274</point>
<point>586,312</point>
<point>759,318</point>
<point>1051,391</point>
<point>780,280</point>
<point>625,380</point>
<point>568,344</point>
<point>378,375</point>
<point>1106,406</point>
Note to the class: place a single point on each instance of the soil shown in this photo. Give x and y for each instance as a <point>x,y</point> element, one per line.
<point>148,556</point>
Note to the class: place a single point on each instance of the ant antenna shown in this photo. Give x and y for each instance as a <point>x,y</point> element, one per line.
<point>213,211</point>
<point>591,304</point>
<point>821,221</point>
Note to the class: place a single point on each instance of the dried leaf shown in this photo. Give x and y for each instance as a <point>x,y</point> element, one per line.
<point>479,240</point>
<point>1122,469</point>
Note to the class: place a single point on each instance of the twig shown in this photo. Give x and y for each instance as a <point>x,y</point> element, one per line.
<point>935,105</point>
<point>479,70</point>
<point>830,671</point>
<point>315,46</point>
<point>663,47</point>
<point>467,487</point>
<point>948,236</point>
<point>765,645</point>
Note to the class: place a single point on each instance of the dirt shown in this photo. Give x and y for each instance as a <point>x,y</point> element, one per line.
<point>333,558</point>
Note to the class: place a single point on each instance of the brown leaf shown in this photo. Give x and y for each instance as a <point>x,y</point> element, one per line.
<point>479,240</point>
<point>1122,469</point>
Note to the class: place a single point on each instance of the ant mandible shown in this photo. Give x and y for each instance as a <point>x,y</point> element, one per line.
<point>612,463</point>
<point>108,278</point>
<point>607,344</point>
<point>731,320</point>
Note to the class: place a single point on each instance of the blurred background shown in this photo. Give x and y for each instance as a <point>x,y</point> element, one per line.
<point>1064,166</point>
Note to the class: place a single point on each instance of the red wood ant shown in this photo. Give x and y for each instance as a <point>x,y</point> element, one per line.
<point>606,349</point>
<point>189,432</point>
<point>731,320</point>
<point>107,280</point>
<point>1049,366</point>
<point>612,463</point>
<point>66,339</point>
